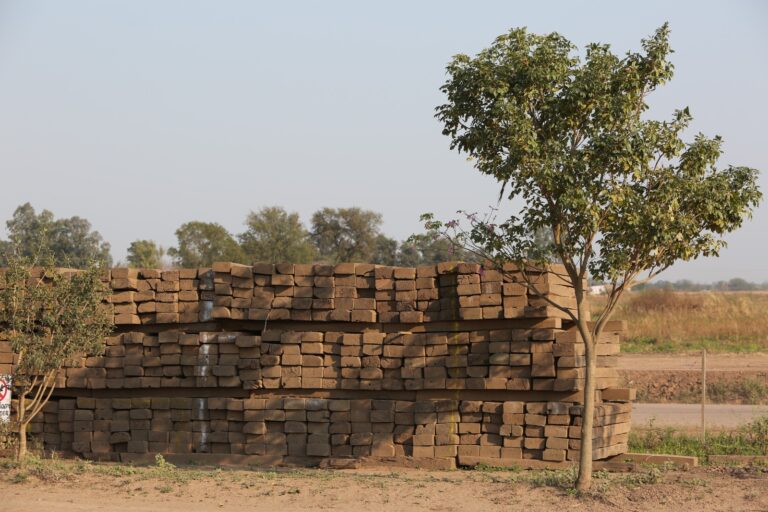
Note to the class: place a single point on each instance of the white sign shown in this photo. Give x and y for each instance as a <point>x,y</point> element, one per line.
<point>5,398</point>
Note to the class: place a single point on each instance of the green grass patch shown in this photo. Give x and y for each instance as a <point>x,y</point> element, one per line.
<point>751,439</point>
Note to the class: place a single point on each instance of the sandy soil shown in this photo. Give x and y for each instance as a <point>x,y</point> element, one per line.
<point>464,491</point>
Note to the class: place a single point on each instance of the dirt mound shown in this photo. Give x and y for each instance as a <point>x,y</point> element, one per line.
<point>684,386</point>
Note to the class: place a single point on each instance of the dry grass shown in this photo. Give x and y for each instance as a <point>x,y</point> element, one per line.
<point>669,321</point>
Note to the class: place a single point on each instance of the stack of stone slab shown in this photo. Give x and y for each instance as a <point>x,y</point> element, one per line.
<point>348,292</point>
<point>302,428</point>
<point>539,356</point>
<point>298,363</point>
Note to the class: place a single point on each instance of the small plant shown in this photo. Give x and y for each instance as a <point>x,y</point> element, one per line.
<point>21,477</point>
<point>562,479</point>
<point>162,464</point>
<point>491,469</point>
<point>653,475</point>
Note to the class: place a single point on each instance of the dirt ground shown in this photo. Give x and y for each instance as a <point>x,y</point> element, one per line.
<point>356,490</point>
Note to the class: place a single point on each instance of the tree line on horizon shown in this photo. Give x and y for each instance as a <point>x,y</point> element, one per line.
<point>271,234</point>
<point>737,284</point>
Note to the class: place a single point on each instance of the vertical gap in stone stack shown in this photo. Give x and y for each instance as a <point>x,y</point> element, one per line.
<point>207,295</point>
<point>201,417</point>
<point>200,411</point>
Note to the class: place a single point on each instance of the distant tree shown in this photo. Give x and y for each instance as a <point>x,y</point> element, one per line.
<point>202,243</point>
<point>408,254</point>
<point>49,316</point>
<point>738,284</point>
<point>70,242</point>
<point>145,254</point>
<point>346,234</point>
<point>429,249</point>
<point>275,236</point>
<point>386,251</point>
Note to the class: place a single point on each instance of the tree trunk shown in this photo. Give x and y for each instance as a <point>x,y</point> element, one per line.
<point>584,479</point>
<point>21,452</point>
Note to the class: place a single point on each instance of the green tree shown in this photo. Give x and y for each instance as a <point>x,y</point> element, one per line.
<point>145,254</point>
<point>385,252</point>
<point>623,195</point>
<point>429,249</point>
<point>202,243</point>
<point>345,234</point>
<point>276,236</point>
<point>49,316</point>
<point>70,242</point>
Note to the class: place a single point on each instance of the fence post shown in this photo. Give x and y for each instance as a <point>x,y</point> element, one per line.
<point>703,393</point>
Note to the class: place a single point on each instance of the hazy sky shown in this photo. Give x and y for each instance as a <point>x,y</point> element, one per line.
<point>142,115</point>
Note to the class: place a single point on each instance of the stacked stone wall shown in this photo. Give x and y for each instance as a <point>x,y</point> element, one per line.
<point>300,363</point>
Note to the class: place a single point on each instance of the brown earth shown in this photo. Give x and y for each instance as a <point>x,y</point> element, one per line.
<point>464,491</point>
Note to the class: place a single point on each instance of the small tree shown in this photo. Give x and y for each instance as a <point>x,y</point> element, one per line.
<point>622,196</point>
<point>50,316</point>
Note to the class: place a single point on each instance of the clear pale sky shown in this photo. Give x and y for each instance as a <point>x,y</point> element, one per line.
<point>141,115</point>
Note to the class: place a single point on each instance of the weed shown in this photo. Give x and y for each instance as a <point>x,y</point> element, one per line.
<point>21,477</point>
<point>162,464</point>
<point>562,478</point>
<point>652,475</point>
<point>490,469</point>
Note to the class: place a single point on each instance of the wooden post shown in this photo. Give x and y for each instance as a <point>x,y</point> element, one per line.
<point>703,393</point>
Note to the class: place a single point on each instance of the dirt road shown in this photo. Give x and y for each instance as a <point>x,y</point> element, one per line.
<point>753,362</point>
<point>688,416</point>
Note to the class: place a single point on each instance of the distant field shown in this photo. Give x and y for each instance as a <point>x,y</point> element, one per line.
<point>668,321</point>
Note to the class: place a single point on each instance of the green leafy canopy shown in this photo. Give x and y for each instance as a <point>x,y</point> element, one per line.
<point>202,243</point>
<point>51,315</point>
<point>145,254</point>
<point>622,195</point>
<point>276,236</point>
